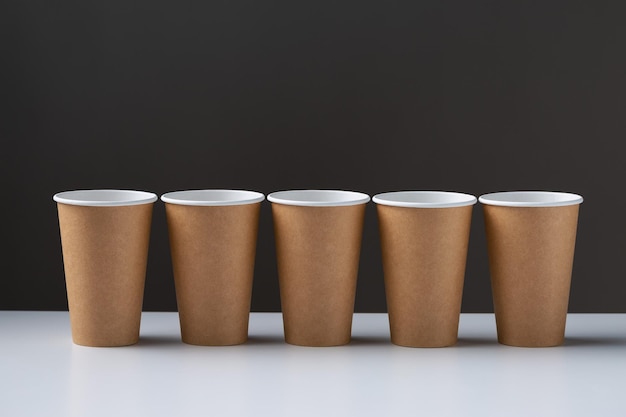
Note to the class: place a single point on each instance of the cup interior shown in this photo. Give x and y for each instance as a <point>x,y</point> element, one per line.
<point>530,199</point>
<point>424,199</point>
<point>212,197</point>
<point>318,198</point>
<point>105,198</point>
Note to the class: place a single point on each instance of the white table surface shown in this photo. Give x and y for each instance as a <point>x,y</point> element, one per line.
<point>42,373</point>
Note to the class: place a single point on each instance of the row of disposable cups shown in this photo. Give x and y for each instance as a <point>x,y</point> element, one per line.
<point>424,240</point>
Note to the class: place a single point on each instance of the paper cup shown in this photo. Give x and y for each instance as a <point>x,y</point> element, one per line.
<point>105,236</point>
<point>213,236</point>
<point>318,241</point>
<point>424,237</point>
<point>530,239</point>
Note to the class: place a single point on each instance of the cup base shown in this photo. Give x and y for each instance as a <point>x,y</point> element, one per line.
<point>523,344</point>
<point>105,344</point>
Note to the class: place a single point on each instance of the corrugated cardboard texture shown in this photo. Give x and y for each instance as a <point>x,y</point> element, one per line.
<point>318,259</point>
<point>531,253</point>
<point>213,250</point>
<point>424,252</point>
<point>105,251</point>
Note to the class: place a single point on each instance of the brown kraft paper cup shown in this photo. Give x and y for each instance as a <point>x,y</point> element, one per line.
<point>213,236</point>
<point>318,241</point>
<point>105,237</point>
<point>530,239</point>
<point>424,239</point>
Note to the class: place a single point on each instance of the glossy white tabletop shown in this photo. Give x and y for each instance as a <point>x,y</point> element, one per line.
<point>43,374</point>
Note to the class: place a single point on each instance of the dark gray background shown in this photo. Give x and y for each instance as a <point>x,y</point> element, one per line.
<point>472,96</point>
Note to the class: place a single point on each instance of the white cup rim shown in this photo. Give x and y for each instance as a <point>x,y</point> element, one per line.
<point>105,197</point>
<point>318,198</point>
<point>530,199</point>
<point>424,199</point>
<point>212,197</point>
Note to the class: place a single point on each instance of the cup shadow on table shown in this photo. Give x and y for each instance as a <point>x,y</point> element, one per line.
<point>152,341</point>
<point>161,341</point>
<point>469,342</point>
<point>369,341</point>
<point>463,342</point>
<point>265,340</point>
<point>594,341</point>
<point>569,342</point>
<point>355,341</point>
<point>359,341</point>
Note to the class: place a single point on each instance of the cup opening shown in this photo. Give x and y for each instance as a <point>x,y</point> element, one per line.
<point>318,198</point>
<point>212,197</point>
<point>424,199</point>
<point>530,199</point>
<point>105,198</point>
